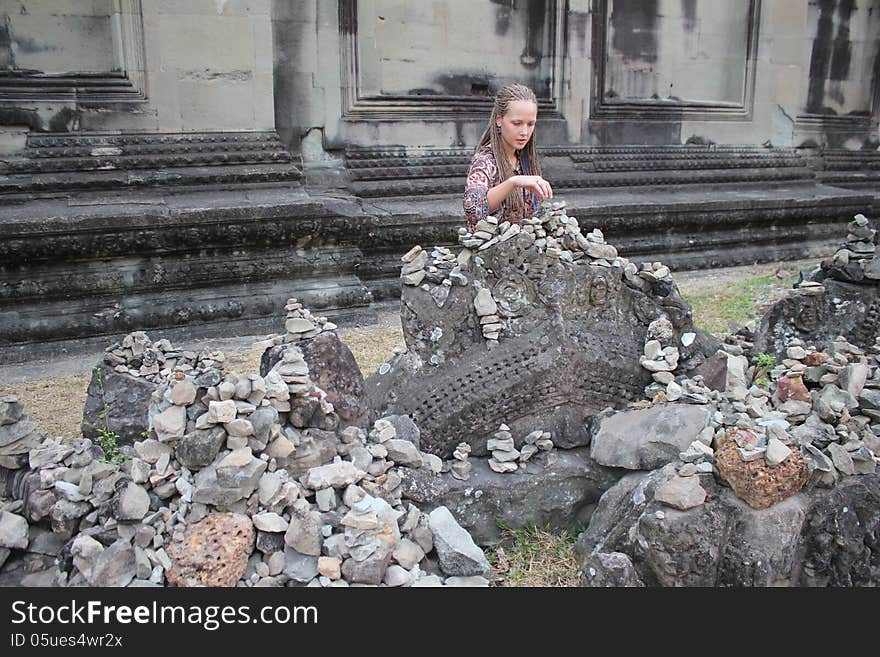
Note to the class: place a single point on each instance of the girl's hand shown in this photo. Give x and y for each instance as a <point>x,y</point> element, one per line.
<point>535,184</point>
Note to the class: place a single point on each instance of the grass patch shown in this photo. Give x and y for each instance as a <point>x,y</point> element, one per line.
<point>735,302</point>
<point>532,556</point>
<point>371,347</point>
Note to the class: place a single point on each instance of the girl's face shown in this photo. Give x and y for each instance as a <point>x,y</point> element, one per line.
<point>517,125</point>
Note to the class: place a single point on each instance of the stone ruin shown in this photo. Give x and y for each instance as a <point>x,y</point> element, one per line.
<point>546,380</point>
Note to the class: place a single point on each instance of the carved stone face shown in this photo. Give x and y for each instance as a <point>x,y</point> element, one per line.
<point>808,318</point>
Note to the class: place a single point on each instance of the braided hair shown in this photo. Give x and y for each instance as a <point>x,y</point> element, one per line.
<point>492,137</point>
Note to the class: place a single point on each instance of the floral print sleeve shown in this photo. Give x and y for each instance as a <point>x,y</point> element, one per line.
<point>481,177</point>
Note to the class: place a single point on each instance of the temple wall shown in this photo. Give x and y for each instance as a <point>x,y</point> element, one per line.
<point>377,72</point>
<point>158,66</point>
<point>362,73</point>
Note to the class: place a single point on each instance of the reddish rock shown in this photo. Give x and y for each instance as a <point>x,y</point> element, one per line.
<point>214,551</point>
<point>816,358</point>
<point>756,483</point>
<point>792,388</point>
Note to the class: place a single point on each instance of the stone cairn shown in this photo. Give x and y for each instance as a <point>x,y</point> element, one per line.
<point>506,458</point>
<point>299,324</point>
<point>859,247</point>
<point>553,232</point>
<point>236,485</point>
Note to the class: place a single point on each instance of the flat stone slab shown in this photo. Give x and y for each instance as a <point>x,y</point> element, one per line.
<point>560,495</point>
<point>645,439</point>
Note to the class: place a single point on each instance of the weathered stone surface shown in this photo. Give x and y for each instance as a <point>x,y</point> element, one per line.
<point>13,531</point>
<point>213,552</point>
<point>10,410</point>
<point>316,448</point>
<point>207,488</point>
<point>115,566</point>
<point>127,396</point>
<point>403,452</point>
<point>183,393</point>
<point>561,495</point>
<point>330,567</point>
<point>788,388</point>
<point>270,522</point>
<point>607,569</point>
<point>844,309</point>
<point>645,439</point>
<point>337,475</point>
<point>757,483</point>
<point>458,553</point>
<point>84,551</point>
<point>262,420</point>
<point>170,424</point>
<point>198,448</point>
<point>850,513</point>
<point>725,542</point>
<point>333,369</point>
<point>131,502</point>
<point>12,434</point>
<point>370,570</point>
<point>573,334</point>
<point>304,532</point>
<point>682,493</point>
<point>244,477</point>
<point>300,568</point>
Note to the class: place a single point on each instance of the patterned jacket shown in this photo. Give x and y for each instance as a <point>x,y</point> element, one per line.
<point>483,176</point>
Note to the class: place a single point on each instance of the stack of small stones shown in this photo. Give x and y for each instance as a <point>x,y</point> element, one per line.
<point>859,245</point>
<point>504,454</point>
<point>156,361</point>
<point>506,458</point>
<point>487,311</point>
<point>660,355</point>
<point>460,468</point>
<point>299,324</point>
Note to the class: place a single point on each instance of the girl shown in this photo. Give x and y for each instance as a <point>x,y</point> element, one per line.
<point>505,175</point>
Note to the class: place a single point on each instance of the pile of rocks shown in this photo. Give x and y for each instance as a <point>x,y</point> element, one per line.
<point>155,361</point>
<point>244,480</point>
<point>859,247</point>
<point>299,324</point>
<point>553,232</point>
<point>660,355</point>
<point>815,412</point>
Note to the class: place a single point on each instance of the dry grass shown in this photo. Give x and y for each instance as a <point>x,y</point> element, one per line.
<point>534,557</point>
<point>723,308</point>
<point>372,347</point>
<point>56,404</point>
